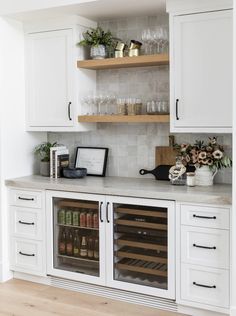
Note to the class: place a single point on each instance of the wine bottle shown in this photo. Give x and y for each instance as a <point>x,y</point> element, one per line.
<point>90,248</point>
<point>69,244</point>
<point>84,248</point>
<point>62,243</point>
<point>96,249</point>
<point>76,244</point>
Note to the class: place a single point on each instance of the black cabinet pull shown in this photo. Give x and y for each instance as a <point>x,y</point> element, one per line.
<point>26,254</point>
<point>206,286</point>
<point>177,109</point>
<point>25,199</point>
<point>100,212</point>
<point>107,206</point>
<point>69,109</point>
<point>204,247</point>
<point>26,223</point>
<point>204,217</point>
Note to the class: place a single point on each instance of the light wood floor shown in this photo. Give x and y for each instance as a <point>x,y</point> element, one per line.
<point>21,298</point>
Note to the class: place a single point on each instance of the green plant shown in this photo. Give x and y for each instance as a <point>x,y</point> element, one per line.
<point>201,154</point>
<point>43,150</point>
<point>97,36</point>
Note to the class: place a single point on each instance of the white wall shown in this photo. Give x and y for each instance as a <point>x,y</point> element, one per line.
<point>16,145</point>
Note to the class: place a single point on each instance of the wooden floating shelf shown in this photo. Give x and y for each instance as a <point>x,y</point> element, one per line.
<point>125,62</point>
<point>124,119</point>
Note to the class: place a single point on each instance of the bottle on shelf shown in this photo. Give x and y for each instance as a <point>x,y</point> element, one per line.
<point>83,219</point>
<point>76,249</point>
<point>84,248</point>
<point>95,221</point>
<point>61,217</point>
<point>90,247</point>
<point>89,218</point>
<point>76,218</point>
<point>68,217</point>
<point>96,248</point>
<point>69,244</point>
<point>62,243</point>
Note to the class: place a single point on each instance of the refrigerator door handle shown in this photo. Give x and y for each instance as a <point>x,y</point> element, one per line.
<point>107,209</point>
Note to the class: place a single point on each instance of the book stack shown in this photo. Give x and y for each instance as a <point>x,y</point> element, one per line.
<point>59,159</point>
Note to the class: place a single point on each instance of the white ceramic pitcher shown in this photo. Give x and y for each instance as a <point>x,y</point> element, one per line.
<point>205,176</point>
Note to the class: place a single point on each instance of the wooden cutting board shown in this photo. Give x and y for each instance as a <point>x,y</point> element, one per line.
<point>165,155</point>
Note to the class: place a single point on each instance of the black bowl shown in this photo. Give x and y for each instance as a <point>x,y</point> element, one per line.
<point>74,173</point>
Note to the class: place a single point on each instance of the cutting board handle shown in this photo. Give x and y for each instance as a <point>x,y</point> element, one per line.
<point>171,140</point>
<point>144,171</point>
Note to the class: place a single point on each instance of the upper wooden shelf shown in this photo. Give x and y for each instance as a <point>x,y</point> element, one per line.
<point>124,62</point>
<point>124,118</point>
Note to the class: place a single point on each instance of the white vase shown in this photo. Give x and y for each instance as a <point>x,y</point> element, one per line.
<point>205,176</point>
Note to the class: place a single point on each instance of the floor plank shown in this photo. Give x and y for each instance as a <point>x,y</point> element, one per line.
<point>22,298</point>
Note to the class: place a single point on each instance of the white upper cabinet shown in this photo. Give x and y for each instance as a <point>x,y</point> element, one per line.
<point>54,85</point>
<point>50,83</point>
<point>201,72</point>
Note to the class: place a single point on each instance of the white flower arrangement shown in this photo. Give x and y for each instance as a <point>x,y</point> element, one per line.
<point>204,154</point>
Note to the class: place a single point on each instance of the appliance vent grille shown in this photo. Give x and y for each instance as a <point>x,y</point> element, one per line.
<point>129,297</point>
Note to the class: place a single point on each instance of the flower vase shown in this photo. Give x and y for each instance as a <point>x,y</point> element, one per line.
<point>205,176</point>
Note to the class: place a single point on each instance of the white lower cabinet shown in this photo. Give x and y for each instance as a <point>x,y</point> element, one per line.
<point>27,231</point>
<point>136,241</point>
<point>205,285</point>
<point>203,257</point>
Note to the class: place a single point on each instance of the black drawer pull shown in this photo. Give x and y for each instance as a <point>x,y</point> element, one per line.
<point>100,212</point>
<point>25,223</point>
<point>206,286</point>
<point>107,206</point>
<point>177,109</point>
<point>204,247</point>
<point>204,217</point>
<point>26,254</point>
<point>25,199</point>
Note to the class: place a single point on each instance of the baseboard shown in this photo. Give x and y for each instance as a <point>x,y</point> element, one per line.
<point>32,278</point>
<point>192,311</point>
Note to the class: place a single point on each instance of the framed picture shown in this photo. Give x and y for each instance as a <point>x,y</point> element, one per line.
<point>92,158</point>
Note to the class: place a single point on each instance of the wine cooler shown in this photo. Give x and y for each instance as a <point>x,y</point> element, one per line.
<point>119,242</point>
<point>76,234</point>
<point>142,234</point>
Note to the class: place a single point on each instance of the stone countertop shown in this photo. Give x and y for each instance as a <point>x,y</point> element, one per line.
<point>132,187</point>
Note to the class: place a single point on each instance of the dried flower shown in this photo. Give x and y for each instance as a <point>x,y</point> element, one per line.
<point>202,155</point>
<point>217,154</point>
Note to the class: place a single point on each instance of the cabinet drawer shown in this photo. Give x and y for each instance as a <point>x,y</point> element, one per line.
<point>27,256</point>
<point>202,216</point>
<point>27,222</point>
<point>25,198</point>
<point>203,246</point>
<point>205,285</point>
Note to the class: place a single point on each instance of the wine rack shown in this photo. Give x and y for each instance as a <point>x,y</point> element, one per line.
<point>141,245</point>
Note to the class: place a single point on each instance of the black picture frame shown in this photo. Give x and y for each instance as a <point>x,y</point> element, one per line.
<point>86,158</point>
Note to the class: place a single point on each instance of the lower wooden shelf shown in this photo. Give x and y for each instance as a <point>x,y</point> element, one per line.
<point>124,118</point>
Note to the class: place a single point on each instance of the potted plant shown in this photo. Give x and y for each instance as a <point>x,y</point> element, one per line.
<point>98,40</point>
<point>207,157</point>
<point>43,152</point>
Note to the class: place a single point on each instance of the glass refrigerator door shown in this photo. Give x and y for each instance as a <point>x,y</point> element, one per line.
<point>76,236</point>
<point>141,245</point>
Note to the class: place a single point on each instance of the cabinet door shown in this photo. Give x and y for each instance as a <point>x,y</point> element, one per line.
<point>201,68</point>
<point>140,246</point>
<point>76,232</point>
<point>49,66</point>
